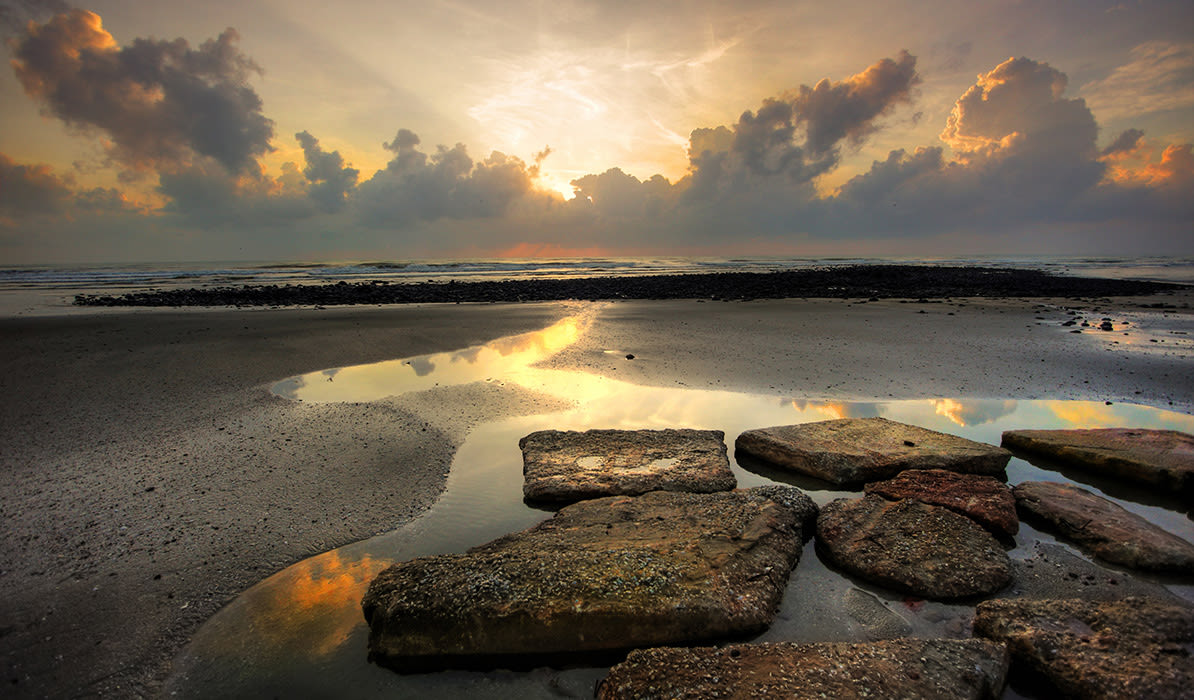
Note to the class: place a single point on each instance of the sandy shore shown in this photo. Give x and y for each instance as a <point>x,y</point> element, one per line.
<point>150,476</point>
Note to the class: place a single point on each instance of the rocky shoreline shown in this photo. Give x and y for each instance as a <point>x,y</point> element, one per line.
<point>854,281</point>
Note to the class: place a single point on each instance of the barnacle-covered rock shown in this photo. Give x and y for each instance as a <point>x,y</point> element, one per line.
<point>605,574</point>
<point>898,668</point>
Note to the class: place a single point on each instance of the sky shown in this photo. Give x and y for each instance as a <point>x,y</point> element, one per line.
<point>290,130</point>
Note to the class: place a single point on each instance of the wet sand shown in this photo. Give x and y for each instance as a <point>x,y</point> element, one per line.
<point>151,476</point>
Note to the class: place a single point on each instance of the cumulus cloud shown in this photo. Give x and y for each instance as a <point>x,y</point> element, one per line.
<point>415,186</point>
<point>1018,108</point>
<point>331,180</point>
<point>29,189</point>
<point>161,103</point>
<point>798,134</point>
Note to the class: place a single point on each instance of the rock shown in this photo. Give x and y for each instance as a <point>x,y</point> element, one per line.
<point>852,451</point>
<point>983,499</point>
<point>1130,648</point>
<point>1162,458</point>
<point>897,668</point>
<point>1109,531</point>
<point>912,547</point>
<point>565,466</point>
<point>605,574</point>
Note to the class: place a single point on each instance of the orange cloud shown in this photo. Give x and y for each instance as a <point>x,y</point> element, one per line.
<point>1137,166</point>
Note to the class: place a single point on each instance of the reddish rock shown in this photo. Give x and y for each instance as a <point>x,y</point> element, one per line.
<point>603,574</point>
<point>566,466</point>
<point>912,547</point>
<point>942,669</point>
<point>1161,458</point>
<point>1109,531</point>
<point>983,499</point>
<point>1130,648</point>
<point>853,451</point>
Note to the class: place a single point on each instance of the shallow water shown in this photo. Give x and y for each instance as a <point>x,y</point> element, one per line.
<point>301,632</point>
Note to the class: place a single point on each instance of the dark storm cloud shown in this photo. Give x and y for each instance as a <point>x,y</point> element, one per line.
<point>30,189</point>
<point>415,186</point>
<point>15,14</point>
<point>331,180</point>
<point>1124,142</point>
<point>836,111</point>
<point>796,135</point>
<point>160,102</point>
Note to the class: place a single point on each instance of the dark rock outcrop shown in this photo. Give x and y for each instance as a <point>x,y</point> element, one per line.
<point>1160,458</point>
<point>912,547</point>
<point>564,466</point>
<point>605,574</point>
<point>983,499</point>
<point>1109,531</point>
<point>1131,648</point>
<point>853,451</point>
<point>900,668</point>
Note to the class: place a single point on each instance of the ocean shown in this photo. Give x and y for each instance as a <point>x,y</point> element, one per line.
<point>50,289</point>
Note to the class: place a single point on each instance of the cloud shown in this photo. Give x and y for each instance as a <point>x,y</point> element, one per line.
<point>1124,143</point>
<point>415,186</point>
<point>15,14</point>
<point>331,180</point>
<point>836,111</point>
<point>30,189</point>
<point>1158,77</point>
<point>1018,108</point>
<point>161,103</point>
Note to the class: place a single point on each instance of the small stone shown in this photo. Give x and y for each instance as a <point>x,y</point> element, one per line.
<point>912,547</point>
<point>897,668</point>
<point>566,466</point>
<point>1130,648</point>
<point>629,356</point>
<point>853,451</point>
<point>1109,531</point>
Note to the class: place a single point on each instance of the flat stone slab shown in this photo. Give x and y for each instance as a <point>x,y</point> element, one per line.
<point>984,499</point>
<point>1130,648</point>
<point>853,451</point>
<point>898,668</point>
<point>1109,531</point>
<point>1161,458</point>
<point>604,574</point>
<point>565,466</point>
<point>912,547</point>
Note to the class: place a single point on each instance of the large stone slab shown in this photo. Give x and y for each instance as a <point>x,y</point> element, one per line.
<point>1161,458</point>
<point>1130,648</point>
<point>900,668</point>
<point>983,499</point>
<point>1109,531</point>
<point>566,466</point>
<point>604,574</point>
<point>912,547</point>
<point>852,451</point>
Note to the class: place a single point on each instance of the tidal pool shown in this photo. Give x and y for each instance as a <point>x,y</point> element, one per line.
<point>301,631</point>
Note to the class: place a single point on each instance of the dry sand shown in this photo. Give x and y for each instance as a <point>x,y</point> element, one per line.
<point>150,476</point>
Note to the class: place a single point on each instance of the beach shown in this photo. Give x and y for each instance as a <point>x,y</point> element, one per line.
<point>151,476</point>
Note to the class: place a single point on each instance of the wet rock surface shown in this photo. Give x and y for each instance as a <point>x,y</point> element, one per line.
<point>1051,570</point>
<point>1131,648</point>
<point>605,574</point>
<point>563,466</point>
<point>901,668</point>
<point>1160,458</point>
<point>983,499</point>
<point>907,281</point>
<point>853,451</point>
<point>912,547</point>
<point>1109,531</point>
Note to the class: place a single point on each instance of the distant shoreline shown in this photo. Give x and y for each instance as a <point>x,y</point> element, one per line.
<point>858,281</point>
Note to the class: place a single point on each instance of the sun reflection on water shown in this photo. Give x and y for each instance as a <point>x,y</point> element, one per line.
<point>308,616</point>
